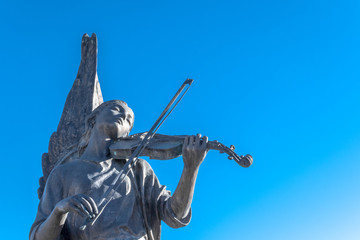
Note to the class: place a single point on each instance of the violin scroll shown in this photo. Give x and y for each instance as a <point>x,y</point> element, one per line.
<point>244,161</point>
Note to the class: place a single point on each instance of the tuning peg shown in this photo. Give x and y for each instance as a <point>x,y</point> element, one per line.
<point>230,157</point>
<point>232,147</point>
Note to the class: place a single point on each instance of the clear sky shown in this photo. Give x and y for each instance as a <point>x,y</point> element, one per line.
<point>277,79</point>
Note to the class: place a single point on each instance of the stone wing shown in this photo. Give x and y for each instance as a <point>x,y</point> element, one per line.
<point>84,96</point>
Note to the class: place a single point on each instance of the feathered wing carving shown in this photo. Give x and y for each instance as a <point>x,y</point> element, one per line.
<point>84,96</point>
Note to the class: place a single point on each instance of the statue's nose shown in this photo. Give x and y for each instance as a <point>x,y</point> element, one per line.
<point>122,115</point>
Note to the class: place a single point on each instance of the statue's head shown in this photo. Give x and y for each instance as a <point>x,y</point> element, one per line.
<point>113,118</point>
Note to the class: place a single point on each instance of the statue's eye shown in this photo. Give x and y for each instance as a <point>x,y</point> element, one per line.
<point>116,109</point>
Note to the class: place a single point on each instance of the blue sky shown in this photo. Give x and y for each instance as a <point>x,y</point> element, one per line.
<point>278,79</point>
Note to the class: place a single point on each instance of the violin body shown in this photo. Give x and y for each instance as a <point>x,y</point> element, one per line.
<point>166,147</point>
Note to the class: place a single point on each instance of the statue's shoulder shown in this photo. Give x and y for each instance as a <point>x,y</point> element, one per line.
<point>68,169</point>
<point>143,165</point>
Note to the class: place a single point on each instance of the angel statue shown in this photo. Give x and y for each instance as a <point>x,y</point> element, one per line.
<point>78,169</point>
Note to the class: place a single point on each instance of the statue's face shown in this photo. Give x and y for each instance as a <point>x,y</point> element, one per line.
<point>115,120</point>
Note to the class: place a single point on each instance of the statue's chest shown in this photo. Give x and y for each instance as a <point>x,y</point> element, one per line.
<point>95,182</point>
<point>118,214</point>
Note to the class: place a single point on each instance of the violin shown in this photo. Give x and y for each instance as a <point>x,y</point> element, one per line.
<point>165,147</point>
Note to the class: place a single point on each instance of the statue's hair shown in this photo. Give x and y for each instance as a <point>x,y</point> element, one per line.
<point>90,123</point>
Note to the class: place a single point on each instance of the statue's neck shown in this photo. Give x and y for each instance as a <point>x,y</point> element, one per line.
<point>98,147</point>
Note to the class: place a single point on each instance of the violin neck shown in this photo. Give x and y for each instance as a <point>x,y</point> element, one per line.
<point>215,145</point>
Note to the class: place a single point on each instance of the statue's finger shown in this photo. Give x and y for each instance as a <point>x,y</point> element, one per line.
<point>197,139</point>
<point>204,142</point>
<point>77,207</point>
<point>89,214</point>
<point>186,143</point>
<point>191,140</point>
<point>86,204</point>
<point>79,211</point>
<point>82,204</point>
<point>93,204</point>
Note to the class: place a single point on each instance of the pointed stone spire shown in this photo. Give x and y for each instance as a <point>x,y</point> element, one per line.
<point>84,96</point>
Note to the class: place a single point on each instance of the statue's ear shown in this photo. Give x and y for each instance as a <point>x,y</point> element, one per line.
<point>90,121</point>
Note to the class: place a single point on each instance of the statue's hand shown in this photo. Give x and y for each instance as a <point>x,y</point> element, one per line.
<point>80,204</point>
<point>194,151</point>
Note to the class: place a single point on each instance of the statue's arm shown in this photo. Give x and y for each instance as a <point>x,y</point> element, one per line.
<point>49,220</point>
<point>53,211</point>
<point>194,152</point>
<point>51,227</point>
